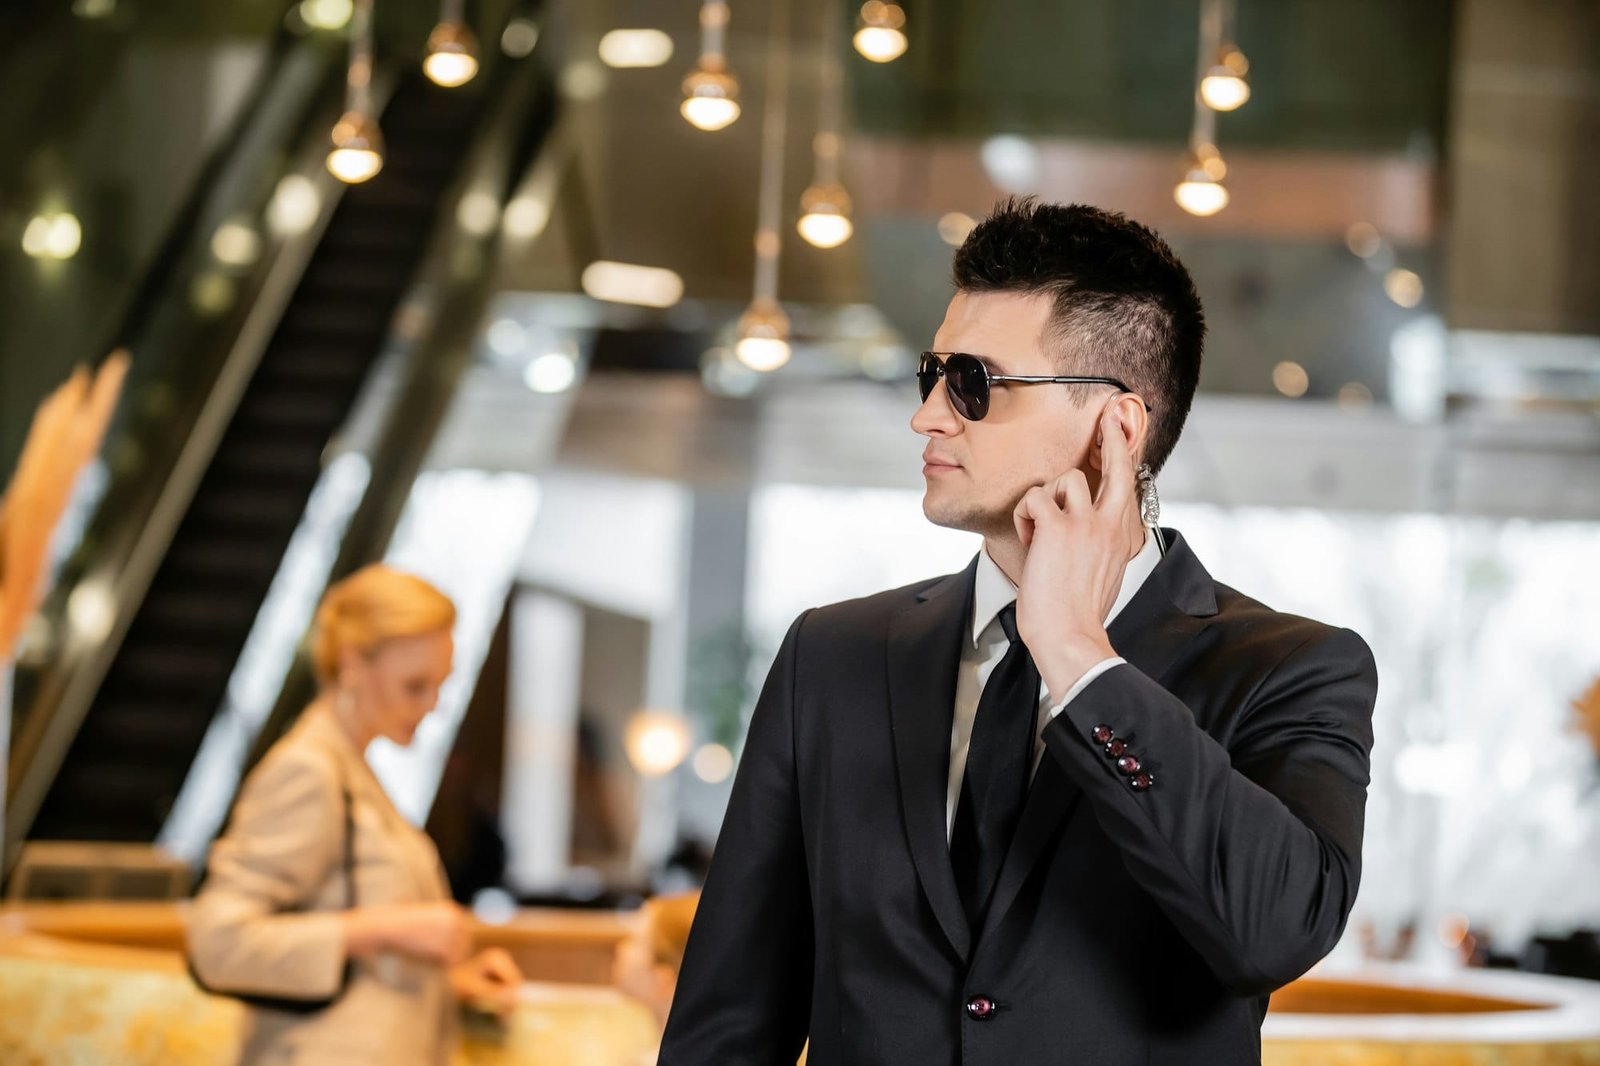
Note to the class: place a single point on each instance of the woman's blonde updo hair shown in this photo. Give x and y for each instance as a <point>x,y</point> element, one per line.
<point>372,605</point>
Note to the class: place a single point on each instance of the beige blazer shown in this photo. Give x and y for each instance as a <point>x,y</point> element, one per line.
<point>266,921</point>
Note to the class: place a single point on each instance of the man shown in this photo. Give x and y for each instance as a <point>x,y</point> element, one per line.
<point>1076,804</point>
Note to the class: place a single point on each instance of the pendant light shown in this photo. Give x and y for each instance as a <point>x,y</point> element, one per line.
<point>1201,192</point>
<point>452,49</point>
<point>711,92</point>
<point>357,153</point>
<point>763,342</point>
<point>825,205</point>
<point>880,33</point>
<point>1223,86</point>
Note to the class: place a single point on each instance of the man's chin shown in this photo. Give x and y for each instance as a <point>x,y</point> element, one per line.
<point>952,515</point>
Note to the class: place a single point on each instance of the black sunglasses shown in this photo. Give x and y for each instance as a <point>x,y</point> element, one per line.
<point>967,380</point>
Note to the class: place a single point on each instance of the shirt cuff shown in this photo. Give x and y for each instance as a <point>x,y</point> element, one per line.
<point>1083,682</point>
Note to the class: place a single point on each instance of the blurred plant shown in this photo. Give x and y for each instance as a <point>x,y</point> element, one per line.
<point>65,435</point>
<point>719,684</point>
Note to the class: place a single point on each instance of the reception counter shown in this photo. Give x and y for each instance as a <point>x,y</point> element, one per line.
<point>106,983</point>
<point>68,1002</point>
<point>1402,1016</point>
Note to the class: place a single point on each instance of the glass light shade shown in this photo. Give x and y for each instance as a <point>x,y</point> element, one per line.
<point>763,336</point>
<point>357,153</point>
<point>1199,195</point>
<point>825,216</point>
<point>1223,90</point>
<point>710,98</point>
<point>880,36</point>
<point>452,55</point>
<point>1201,191</point>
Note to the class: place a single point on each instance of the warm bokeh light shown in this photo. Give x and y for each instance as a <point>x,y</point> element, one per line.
<point>519,38</point>
<point>478,213</point>
<point>954,227</point>
<point>1291,379</point>
<point>1354,396</point>
<point>452,55</point>
<point>526,217</point>
<point>92,610</point>
<point>1208,159</point>
<point>881,34</point>
<point>710,98</point>
<point>236,243</point>
<point>657,742</point>
<point>629,283</point>
<point>326,14</point>
<point>294,206</point>
<point>1363,239</point>
<point>1223,88</point>
<point>763,336</point>
<point>635,48</point>
<point>1403,286</point>
<point>825,216</point>
<point>713,764</point>
<point>551,372</point>
<point>357,153</point>
<point>55,236</point>
<point>1200,194</point>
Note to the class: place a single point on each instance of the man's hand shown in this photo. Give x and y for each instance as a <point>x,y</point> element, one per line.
<point>1077,549</point>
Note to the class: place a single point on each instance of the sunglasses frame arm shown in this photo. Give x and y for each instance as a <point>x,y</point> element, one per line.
<point>1067,380</point>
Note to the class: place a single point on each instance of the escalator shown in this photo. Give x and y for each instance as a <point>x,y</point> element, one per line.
<point>119,773</point>
<point>143,730</point>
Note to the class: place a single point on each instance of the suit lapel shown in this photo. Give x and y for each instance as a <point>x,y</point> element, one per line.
<point>924,653</point>
<point>1168,611</point>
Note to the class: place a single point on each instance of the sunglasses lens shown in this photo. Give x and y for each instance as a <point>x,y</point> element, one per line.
<point>968,382</point>
<point>927,375</point>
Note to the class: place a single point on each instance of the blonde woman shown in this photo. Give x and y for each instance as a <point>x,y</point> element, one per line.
<point>319,889</point>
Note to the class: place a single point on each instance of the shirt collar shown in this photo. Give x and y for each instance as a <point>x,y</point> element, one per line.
<point>993,590</point>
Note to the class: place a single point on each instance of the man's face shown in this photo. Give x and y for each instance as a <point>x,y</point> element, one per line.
<point>976,472</point>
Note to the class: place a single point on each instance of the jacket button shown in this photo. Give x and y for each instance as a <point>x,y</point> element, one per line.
<point>1116,748</point>
<point>1141,781</point>
<point>980,1007</point>
<point>1128,765</point>
<point>1102,734</point>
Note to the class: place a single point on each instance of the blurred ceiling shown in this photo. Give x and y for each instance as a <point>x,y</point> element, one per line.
<point>1355,85</point>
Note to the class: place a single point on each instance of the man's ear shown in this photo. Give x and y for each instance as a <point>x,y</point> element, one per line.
<point>1135,427</point>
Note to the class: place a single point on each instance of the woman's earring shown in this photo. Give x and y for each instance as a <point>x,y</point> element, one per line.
<point>1149,501</point>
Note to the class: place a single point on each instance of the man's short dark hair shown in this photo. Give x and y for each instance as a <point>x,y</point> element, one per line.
<point>1124,306</point>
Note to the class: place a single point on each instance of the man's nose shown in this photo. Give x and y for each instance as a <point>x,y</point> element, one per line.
<point>936,418</point>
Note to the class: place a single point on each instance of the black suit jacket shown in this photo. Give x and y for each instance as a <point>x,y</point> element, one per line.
<point>1143,928</point>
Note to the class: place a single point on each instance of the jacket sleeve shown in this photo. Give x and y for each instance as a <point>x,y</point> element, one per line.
<point>744,991</point>
<point>247,930</point>
<point>1252,851</point>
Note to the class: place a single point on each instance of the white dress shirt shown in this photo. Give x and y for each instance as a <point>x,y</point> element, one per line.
<point>979,658</point>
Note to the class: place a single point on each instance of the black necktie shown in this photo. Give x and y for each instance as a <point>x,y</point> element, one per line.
<point>999,758</point>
